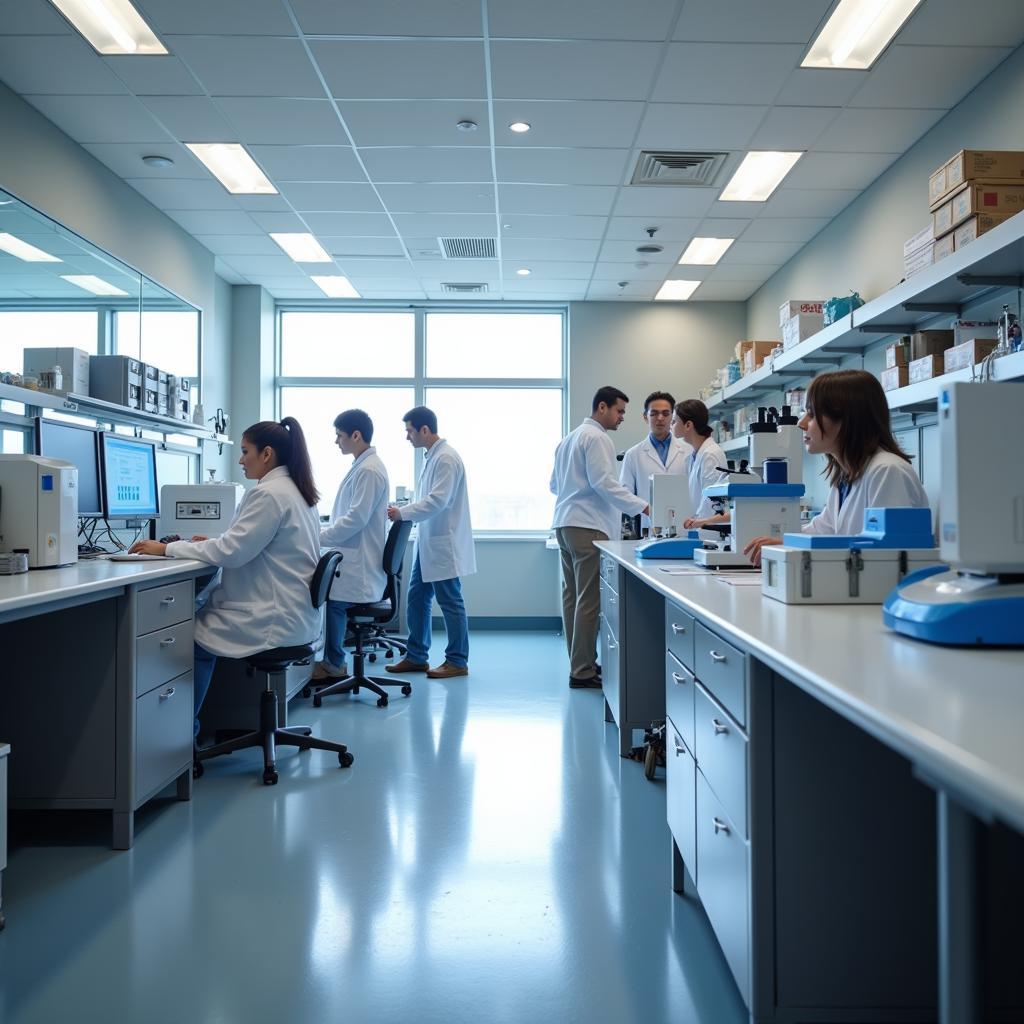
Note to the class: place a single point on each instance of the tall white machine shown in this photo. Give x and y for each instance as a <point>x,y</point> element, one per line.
<point>39,509</point>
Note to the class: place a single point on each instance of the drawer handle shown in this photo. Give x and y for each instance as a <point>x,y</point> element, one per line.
<point>167,641</point>
<point>720,826</point>
<point>677,629</point>
<point>719,727</point>
<point>715,656</point>
<point>168,693</point>
<point>680,749</point>
<point>167,600</point>
<point>680,680</point>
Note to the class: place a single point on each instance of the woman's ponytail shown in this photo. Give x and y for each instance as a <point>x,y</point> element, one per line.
<point>289,445</point>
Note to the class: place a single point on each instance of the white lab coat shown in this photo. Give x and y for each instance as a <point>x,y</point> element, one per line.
<point>887,482</point>
<point>642,461</point>
<point>704,470</point>
<point>445,541</point>
<point>358,529</point>
<point>587,492</point>
<point>267,556</point>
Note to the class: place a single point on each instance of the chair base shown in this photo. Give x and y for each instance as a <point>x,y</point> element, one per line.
<point>359,680</point>
<point>268,736</point>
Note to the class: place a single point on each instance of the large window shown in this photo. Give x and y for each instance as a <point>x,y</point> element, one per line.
<point>495,379</point>
<point>168,339</point>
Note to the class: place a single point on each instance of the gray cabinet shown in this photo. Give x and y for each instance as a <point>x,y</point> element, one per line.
<point>721,749</point>
<point>163,732</point>
<point>680,797</point>
<point>5,749</point>
<point>680,688</point>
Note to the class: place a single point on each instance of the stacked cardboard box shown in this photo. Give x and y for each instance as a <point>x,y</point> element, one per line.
<point>799,319</point>
<point>919,251</point>
<point>752,354</point>
<point>967,354</point>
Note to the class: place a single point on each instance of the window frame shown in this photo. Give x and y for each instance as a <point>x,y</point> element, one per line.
<point>419,381</point>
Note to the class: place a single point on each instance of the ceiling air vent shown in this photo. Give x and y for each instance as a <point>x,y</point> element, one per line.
<point>463,287</point>
<point>468,248</point>
<point>695,170</point>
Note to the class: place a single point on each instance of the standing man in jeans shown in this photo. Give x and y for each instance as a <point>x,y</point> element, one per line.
<point>588,507</point>
<point>444,550</point>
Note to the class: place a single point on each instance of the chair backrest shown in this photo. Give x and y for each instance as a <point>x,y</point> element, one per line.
<point>323,576</point>
<point>395,545</point>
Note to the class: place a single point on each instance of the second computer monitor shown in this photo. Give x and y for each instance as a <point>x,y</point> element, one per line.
<point>129,477</point>
<point>77,445</point>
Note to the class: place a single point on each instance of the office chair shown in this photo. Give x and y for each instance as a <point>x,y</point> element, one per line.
<point>364,619</point>
<point>273,662</point>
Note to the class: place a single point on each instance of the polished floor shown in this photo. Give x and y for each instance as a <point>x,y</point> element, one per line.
<point>489,858</point>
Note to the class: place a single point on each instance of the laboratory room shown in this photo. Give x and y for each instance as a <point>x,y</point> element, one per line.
<point>512,511</point>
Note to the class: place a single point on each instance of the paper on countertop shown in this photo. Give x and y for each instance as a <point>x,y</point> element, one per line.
<point>743,578</point>
<point>683,570</point>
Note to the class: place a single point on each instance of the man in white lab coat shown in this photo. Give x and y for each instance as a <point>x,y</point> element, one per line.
<point>588,507</point>
<point>444,550</point>
<point>658,453</point>
<point>357,529</point>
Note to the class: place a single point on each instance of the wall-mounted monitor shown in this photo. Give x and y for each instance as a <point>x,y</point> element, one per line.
<point>129,477</point>
<point>79,446</point>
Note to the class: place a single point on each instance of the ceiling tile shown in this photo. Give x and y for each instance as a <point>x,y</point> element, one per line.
<point>634,291</point>
<point>906,75</point>
<point>224,17</point>
<point>125,159</point>
<point>153,75</point>
<point>551,289</point>
<point>576,249</point>
<point>283,121</point>
<point>100,118</point>
<point>389,18</point>
<point>215,222</point>
<point>380,268</point>
<point>427,164</point>
<point>751,21</point>
<point>724,291</point>
<point>793,128</point>
<point>262,204</point>
<point>548,270</point>
<point>32,17</point>
<point>239,245</point>
<point>760,253</point>
<point>309,292</point>
<point>755,275</point>
<point>55,65</point>
<point>562,166</point>
<point>309,163</point>
<point>723,227</point>
<point>689,126</point>
<point>784,229</point>
<point>804,202</point>
<point>226,273</point>
<point>456,270</point>
<point>362,224</point>
<point>184,193</point>
<point>599,123</point>
<point>247,65</point>
<point>882,131</point>
<point>265,266</point>
<point>656,201</point>
<point>414,122</point>
<point>386,69</point>
<point>330,196</point>
<point>838,170</point>
<point>438,198</point>
<point>519,225</point>
<point>279,222</point>
<point>821,87</point>
<point>541,19</point>
<point>573,70</point>
<point>725,72</point>
<point>191,118</point>
<point>296,283</point>
<point>614,271</point>
<point>670,229</point>
<point>571,199</point>
<point>353,246</point>
<point>938,22</point>
<point>615,249</point>
<point>434,225</point>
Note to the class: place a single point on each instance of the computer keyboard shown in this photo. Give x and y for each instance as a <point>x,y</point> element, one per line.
<point>127,556</point>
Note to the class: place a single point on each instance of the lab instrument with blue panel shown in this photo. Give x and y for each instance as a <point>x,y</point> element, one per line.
<point>670,547</point>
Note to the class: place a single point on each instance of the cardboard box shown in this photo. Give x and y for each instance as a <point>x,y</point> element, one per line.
<point>974,226</point>
<point>799,328</point>
<point>922,239</point>
<point>898,353</point>
<point>918,261</point>
<point>942,218</point>
<point>797,307</point>
<point>997,167</point>
<point>894,377</point>
<point>930,343</point>
<point>981,197</point>
<point>965,330</point>
<point>943,247</point>
<point>73,363</point>
<point>755,354</point>
<point>925,368</point>
<point>967,354</point>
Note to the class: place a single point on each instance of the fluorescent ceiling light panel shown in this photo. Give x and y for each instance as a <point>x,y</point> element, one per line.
<point>677,291</point>
<point>857,32</point>
<point>335,286</point>
<point>24,251</point>
<point>705,252</point>
<point>301,246</point>
<point>111,26</point>
<point>232,166</point>
<point>93,284</point>
<point>758,176</point>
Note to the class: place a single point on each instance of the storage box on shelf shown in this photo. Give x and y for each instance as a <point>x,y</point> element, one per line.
<point>993,166</point>
<point>967,354</point>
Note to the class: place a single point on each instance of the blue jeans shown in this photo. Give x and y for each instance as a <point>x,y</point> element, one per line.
<point>202,673</point>
<point>417,610</point>
<point>337,623</point>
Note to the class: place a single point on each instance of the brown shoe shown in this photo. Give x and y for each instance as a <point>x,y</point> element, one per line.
<point>405,665</point>
<point>447,671</point>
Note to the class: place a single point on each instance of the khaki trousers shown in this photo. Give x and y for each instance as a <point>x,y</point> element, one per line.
<point>581,596</point>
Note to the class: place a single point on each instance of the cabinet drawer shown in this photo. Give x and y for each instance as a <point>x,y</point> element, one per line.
<point>721,750</point>
<point>611,609</point>
<point>610,572</point>
<point>162,656</point>
<point>724,883</point>
<point>679,687</point>
<point>163,606</point>
<point>609,649</point>
<point>679,630</point>
<point>163,735</point>
<point>681,798</point>
<point>723,671</point>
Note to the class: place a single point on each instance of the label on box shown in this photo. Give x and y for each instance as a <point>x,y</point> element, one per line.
<point>894,377</point>
<point>942,218</point>
<point>925,368</point>
<point>795,307</point>
<point>923,238</point>
<point>937,185</point>
<point>897,353</point>
<point>967,354</point>
<point>943,247</point>
<point>1004,200</point>
<point>975,226</point>
<point>800,328</point>
<point>920,260</point>
<point>984,163</point>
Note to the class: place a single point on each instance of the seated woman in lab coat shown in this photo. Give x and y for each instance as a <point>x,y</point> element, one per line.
<point>847,420</point>
<point>267,556</point>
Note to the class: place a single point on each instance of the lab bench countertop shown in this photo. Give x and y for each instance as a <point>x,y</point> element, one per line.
<point>955,712</point>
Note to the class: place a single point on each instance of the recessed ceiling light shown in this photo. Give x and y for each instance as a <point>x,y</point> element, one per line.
<point>466,125</point>
<point>677,290</point>
<point>93,284</point>
<point>232,166</point>
<point>336,286</point>
<point>523,271</point>
<point>758,176</point>
<point>24,251</point>
<point>857,32</point>
<point>111,26</point>
<point>153,160</point>
<point>705,251</point>
<point>519,127</point>
<point>301,246</point>
<point>649,248</point>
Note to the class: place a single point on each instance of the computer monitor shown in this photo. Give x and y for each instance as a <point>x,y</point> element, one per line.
<point>79,446</point>
<point>129,477</point>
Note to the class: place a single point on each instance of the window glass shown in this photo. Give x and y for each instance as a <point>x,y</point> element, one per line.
<point>515,345</point>
<point>507,439</point>
<point>24,329</point>
<point>14,442</point>
<point>341,344</point>
<point>170,339</point>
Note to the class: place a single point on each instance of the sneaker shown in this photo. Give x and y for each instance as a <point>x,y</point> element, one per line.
<point>325,670</point>
<point>590,683</point>
<point>447,671</point>
<point>405,665</point>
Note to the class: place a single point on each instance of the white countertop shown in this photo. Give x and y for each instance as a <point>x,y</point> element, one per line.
<point>40,586</point>
<point>955,712</point>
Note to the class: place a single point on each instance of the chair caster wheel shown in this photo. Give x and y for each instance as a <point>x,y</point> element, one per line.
<point>388,654</point>
<point>345,760</point>
<point>269,776</point>
<point>317,700</point>
<point>197,769</point>
<point>382,702</point>
<point>372,657</point>
<point>306,692</point>
<point>406,690</point>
